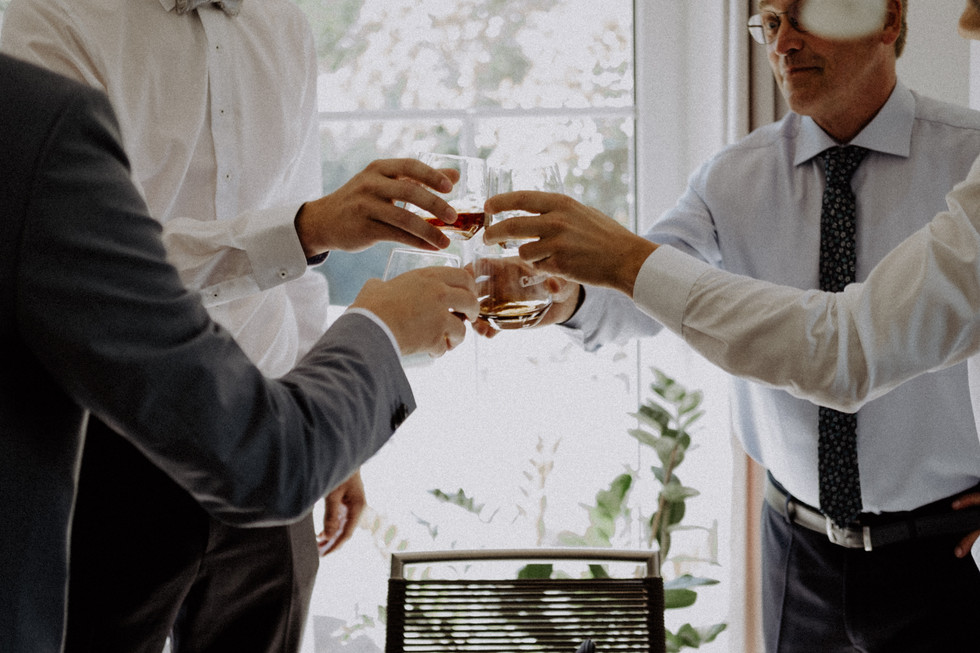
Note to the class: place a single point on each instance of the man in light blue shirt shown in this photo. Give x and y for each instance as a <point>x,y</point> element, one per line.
<point>755,209</point>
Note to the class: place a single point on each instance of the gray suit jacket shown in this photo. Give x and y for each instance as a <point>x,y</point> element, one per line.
<point>93,319</point>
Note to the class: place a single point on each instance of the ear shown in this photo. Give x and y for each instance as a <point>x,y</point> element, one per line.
<point>893,22</point>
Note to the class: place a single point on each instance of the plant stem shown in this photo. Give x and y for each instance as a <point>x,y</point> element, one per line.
<point>662,502</point>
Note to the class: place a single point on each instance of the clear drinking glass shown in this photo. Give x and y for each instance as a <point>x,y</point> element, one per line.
<point>466,197</point>
<point>401,260</point>
<point>512,294</point>
<point>545,178</point>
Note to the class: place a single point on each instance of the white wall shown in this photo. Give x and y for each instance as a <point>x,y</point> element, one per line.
<point>937,60</point>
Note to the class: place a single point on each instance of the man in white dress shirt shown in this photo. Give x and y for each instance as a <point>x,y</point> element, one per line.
<point>218,112</point>
<point>918,310</point>
<point>864,585</point>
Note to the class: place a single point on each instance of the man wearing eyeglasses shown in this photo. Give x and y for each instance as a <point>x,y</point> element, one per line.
<point>788,204</point>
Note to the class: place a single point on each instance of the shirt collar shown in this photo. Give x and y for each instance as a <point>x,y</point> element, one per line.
<point>889,132</point>
<point>168,5</point>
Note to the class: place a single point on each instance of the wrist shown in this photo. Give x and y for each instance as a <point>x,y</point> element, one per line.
<point>306,233</point>
<point>633,261</point>
<point>579,300</point>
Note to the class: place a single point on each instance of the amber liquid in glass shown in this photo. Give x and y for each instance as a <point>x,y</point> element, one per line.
<point>514,314</point>
<point>466,226</point>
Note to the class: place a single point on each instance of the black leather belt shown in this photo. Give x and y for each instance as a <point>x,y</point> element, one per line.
<point>937,519</point>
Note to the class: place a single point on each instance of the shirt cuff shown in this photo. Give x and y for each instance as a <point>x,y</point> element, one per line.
<point>377,320</point>
<point>274,250</point>
<point>664,283</point>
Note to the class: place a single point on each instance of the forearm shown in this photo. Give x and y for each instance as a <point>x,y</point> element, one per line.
<point>915,313</point>
<point>121,335</point>
<point>229,259</point>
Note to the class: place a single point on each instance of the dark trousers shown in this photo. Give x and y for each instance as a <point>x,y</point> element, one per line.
<point>818,597</point>
<point>146,558</point>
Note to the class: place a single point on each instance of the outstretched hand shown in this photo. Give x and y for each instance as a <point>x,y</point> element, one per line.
<point>363,211</point>
<point>426,309</point>
<point>571,240</point>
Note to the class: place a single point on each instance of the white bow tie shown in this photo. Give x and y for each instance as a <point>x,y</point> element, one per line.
<point>230,7</point>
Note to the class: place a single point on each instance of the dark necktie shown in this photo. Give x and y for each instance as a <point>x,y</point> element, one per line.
<point>230,7</point>
<point>840,482</point>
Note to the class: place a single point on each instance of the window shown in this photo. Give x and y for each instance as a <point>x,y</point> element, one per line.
<point>526,424</point>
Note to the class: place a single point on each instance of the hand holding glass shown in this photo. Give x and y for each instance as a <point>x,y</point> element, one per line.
<point>545,178</point>
<point>512,294</point>
<point>466,197</point>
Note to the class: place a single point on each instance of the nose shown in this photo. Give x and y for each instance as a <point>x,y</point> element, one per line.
<point>788,39</point>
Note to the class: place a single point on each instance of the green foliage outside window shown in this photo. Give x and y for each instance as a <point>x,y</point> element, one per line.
<point>664,423</point>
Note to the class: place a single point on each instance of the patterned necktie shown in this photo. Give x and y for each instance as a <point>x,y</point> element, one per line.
<point>230,7</point>
<point>840,482</point>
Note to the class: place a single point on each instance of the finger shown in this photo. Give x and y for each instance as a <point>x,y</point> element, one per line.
<point>483,328</point>
<point>966,501</point>
<point>531,201</point>
<point>414,169</point>
<point>561,289</point>
<point>538,253</point>
<point>455,334</point>
<point>400,225</point>
<point>350,524</point>
<point>966,544</point>
<point>460,278</point>
<point>334,511</point>
<point>519,228</point>
<point>463,301</point>
<point>429,202</point>
<point>451,173</point>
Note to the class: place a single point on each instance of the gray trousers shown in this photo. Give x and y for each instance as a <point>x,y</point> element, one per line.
<point>818,597</point>
<point>147,561</point>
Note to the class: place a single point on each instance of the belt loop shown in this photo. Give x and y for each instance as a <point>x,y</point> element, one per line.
<point>866,532</point>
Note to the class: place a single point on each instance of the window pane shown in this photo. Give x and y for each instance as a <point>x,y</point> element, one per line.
<point>349,145</point>
<point>423,54</point>
<point>595,153</point>
<point>527,425</point>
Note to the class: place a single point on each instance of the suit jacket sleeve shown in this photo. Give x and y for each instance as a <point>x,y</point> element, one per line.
<point>109,319</point>
<point>226,259</point>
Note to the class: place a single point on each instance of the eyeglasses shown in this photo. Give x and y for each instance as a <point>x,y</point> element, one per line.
<point>764,27</point>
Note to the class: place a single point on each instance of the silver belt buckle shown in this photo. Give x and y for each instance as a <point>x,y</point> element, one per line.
<point>848,538</point>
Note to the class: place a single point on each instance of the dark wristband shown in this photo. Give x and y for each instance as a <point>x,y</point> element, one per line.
<point>578,302</point>
<point>318,259</point>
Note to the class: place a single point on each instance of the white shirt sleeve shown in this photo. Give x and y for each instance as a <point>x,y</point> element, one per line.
<point>230,259</point>
<point>918,311</point>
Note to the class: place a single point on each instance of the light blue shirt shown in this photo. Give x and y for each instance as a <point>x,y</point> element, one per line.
<point>754,209</point>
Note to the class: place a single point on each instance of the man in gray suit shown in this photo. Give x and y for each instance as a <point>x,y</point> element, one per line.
<point>94,320</point>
